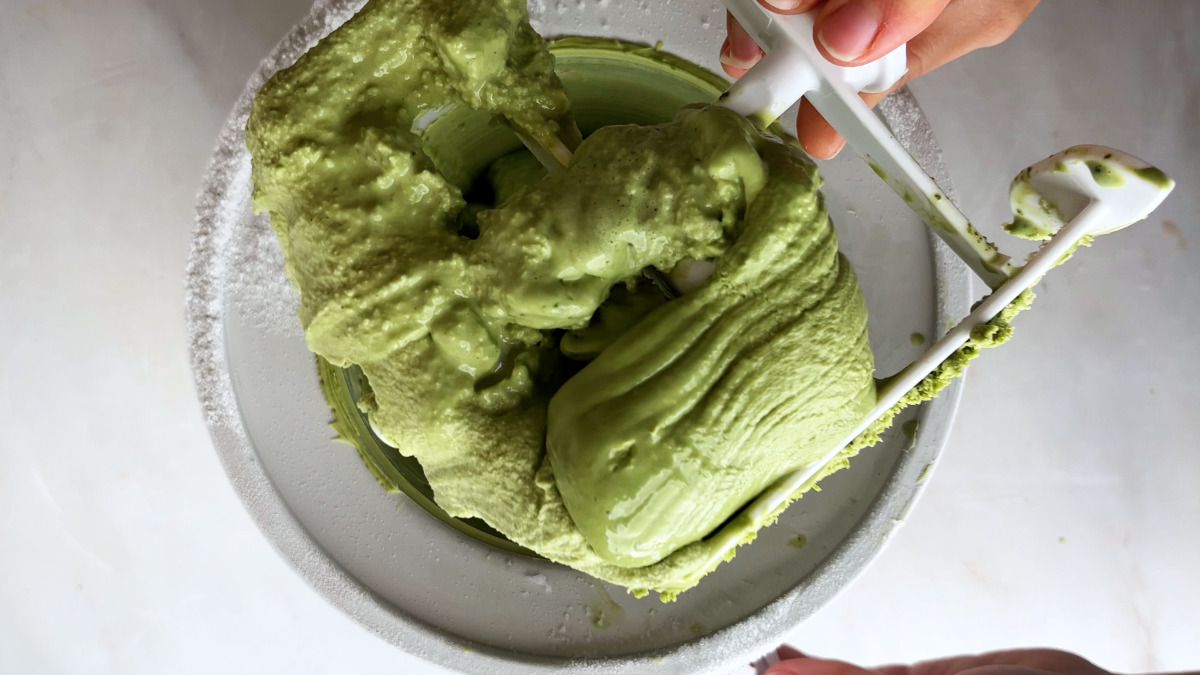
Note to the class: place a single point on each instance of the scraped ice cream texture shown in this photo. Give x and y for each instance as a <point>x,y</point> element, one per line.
<point>515,349</point>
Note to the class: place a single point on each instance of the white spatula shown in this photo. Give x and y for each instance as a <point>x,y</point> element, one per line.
<point>1082,191</point>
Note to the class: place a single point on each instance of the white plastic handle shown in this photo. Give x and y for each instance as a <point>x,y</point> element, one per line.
<point>785,74</point>
<point>1088,190</point>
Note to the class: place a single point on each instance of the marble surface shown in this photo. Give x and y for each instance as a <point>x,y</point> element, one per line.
<point>1065,512</point>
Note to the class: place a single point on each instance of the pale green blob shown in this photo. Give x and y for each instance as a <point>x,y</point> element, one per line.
<point>916,339</point>
<point>718,394</point>
<point>1153,176</point>
<point>1104,175</point>
<point>1028,228</point>
<point>1037,223</point>
<point>798,541</point>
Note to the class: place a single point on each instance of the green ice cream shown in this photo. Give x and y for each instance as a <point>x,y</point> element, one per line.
<point>715,395</point>
<point>514,347</point>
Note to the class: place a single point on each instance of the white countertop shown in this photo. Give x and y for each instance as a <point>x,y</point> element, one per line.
<point>1066,511</point>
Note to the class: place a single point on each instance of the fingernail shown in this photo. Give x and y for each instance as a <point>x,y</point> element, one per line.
<point>727,57</point>
<point>849,31</point>
<point>783,5</point>
<point>739,50</point>
<point>836,148</point>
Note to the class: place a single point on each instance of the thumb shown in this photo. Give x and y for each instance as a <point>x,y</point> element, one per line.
<point>853,32</point>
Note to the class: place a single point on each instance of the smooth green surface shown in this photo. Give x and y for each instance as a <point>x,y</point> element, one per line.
<point>715,395</point>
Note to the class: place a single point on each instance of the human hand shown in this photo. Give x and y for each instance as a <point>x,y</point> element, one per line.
<point>1014,662</point>
<point>854,32</point>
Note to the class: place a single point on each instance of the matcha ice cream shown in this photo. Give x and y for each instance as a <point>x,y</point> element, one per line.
<point>515,347</point>
<point>712,397</point>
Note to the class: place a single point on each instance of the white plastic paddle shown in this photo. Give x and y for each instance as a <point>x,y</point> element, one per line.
<point>1079,192</point>
<point>1082,191</point>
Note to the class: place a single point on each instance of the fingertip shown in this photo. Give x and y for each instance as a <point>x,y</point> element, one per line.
<point>822,151</point>
<point>816,136</point>
<point>854,32</point>
<point>811,666</point>
<point>733,71</point>
<point>829,149</point>
<point>739,51</point>
<point>794,667</point>
<point>790,652</point>
<point>789,6</point>
<point>844,32</point>
<point>732,66</point>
